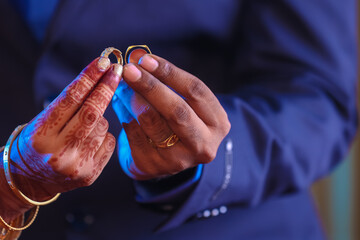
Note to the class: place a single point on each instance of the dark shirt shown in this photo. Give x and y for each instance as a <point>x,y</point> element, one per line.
<point>36,14</point>
<point>285,72</point>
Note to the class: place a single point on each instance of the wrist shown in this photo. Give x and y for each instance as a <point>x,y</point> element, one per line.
<point>15,206</point>
<point>11,205</point>
<point>25,178</point>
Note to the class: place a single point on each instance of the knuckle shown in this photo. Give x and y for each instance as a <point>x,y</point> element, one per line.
<point>78,88</point>
<point>166,70</point>
<point>89,116</point>
<point>104,122</point>
<point>196,89</point>
<point>149,117</point>
<point>102,126</point>
<point>38,144</point>
<point>227,126</point>
<point>100,97</point>
<point>65,101</point>
<point>149,86</point>
<point>206,155</point>
<point>56,168</point>
<point>136,138</point>
<point>204,152</point>
<point>180,113</point>
<point>111,142</point>
<point>83,77</point>
<point>86,182</point>
<point>224,126</point>
<point>89,178</point>
<point>181,166</point>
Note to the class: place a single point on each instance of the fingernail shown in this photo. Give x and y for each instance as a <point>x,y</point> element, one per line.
<point>148,63</point>
<point>132,73</point>
<point>103,63</point>
<point>117,69</point>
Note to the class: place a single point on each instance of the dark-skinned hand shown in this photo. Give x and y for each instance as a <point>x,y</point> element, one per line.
<point>157,99</point>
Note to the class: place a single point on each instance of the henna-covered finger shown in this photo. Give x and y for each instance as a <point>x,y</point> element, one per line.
<point>100,159</point>
<point>85,120</point>
<point>92,143</point>
<point>55,116</point>
<point>74,168</point>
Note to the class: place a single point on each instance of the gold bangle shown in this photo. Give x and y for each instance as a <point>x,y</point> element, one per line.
<point>7,170</point>
<point>30,220</point>
<point>130,49</point>
<point>114,51</point>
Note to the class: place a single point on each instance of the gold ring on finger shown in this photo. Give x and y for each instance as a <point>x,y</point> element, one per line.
<point>168,142</point>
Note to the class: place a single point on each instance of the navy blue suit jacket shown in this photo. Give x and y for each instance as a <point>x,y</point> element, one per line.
<point>284,71</point>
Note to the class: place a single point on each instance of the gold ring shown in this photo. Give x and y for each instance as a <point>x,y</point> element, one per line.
<point>130,49</point>
<point>116,52</point>
<point>168,142</point>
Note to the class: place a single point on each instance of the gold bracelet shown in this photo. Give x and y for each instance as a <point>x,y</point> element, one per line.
<point>30,220</point>
<point>7,171</point>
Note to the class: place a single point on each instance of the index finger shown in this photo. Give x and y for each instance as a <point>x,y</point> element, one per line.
<point>60,111</point>
<point>85,120</point>
<point>195,92</point>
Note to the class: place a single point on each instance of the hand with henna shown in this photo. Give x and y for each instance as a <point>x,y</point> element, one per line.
<point>155,101</point>
<point>68,144</point>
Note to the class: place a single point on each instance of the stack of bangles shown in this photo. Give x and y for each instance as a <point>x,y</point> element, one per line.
<point>13,229</point>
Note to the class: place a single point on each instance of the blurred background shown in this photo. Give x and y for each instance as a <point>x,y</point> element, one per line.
<point>337,197</point>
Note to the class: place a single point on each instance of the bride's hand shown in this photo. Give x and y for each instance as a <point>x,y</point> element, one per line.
<point>68,144</point>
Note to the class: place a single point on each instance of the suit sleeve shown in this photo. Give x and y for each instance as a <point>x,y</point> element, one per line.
<point>293,113</point>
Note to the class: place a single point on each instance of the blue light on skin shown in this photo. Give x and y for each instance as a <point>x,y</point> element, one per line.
<point>120,109</point>
<point>126,105</point>
<point>124,153</point>
<point>125,115</point>
<point>198,173</point>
